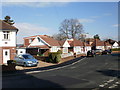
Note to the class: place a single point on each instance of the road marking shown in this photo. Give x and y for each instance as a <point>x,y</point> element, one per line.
<point>101,85</point>
<point>113,86</point>
<point>107,83</point>
<point>55,68</point>
<point>117,83</point>
<point>110,80</point>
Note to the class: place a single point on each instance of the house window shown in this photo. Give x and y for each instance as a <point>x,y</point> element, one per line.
<point>6,34</point>
<point>65,50</point>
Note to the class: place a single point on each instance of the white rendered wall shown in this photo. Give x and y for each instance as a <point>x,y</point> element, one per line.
<point>11,42</point>
<point>21,51</point>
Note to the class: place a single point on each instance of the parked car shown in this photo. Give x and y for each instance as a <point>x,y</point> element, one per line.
<point>91,53</point>
<point>98,51</point>
<point>26,60</point>
<point>106,52</point>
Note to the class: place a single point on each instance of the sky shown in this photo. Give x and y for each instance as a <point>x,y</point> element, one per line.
<point>39,18</point>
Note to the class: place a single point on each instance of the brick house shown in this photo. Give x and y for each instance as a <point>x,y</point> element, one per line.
<point>7,42</point>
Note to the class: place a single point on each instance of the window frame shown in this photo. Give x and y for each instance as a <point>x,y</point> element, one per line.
<point>6,35</point>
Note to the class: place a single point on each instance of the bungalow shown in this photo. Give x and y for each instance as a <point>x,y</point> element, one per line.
<point>76,46</point>
<point>64,46</point>
<point>115,45</point>
<point>87,47</point>
<point>108,45</point>
<point>98,44</point>
<point>89,41</point>
<point>41,44</point>
<point>7,42</point>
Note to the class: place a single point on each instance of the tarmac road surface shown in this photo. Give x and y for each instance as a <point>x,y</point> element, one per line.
<point>92,72</point>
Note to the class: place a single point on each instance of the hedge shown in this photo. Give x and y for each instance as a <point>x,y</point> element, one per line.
<point>116,49</point>
<point>54,57</point>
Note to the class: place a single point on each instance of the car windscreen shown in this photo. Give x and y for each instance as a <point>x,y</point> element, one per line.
<point>28,56</point>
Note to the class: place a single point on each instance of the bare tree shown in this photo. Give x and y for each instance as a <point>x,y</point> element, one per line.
<point>59,37</point>
<point>71,28</point>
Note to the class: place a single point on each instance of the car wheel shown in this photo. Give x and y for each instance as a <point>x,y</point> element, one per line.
<point>24,64</point>
<point>36,65</point>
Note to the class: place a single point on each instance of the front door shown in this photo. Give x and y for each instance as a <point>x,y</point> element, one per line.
<point>6,55</point>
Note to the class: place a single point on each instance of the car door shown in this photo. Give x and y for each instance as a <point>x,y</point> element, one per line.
<point>21,60</point>
<point>17,59</point>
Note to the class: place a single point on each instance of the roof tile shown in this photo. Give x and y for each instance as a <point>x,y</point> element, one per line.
<point>6,26</point>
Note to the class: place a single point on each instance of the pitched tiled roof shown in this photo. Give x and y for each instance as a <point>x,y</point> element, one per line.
<point>49,40</point>
<point>75,42</point>
<point>61,43</point>
<point>108,44</point>
<point>98,43</point>
<point>41,46</point>
<point>86,44</point>
<point>6,26</point>
<point>90,39</point>
<point>110,41</point>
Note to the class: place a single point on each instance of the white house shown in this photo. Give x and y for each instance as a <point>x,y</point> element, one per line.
<point>108,45</point>
<point>87,47</point>
<point>7,42</point>
<point>41,44</point>
<point>115,45</point>
<point>64,46</point>
<point>76,46</point>
<point>98,44</point>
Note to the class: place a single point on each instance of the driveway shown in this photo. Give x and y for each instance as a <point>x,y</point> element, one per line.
<point>45,64</point>
<point>41,64</point>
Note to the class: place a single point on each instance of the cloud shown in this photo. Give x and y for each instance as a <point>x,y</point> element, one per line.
<point>86,20</point>
<point>107,14</point>
<point>116,25</point>
<point>27,29</point>
<point>35,4</point>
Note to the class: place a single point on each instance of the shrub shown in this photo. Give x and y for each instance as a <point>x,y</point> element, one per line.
<point>59,52</point>
<point>116,49</point>
<point>54,57</point>
<point>11,62</point>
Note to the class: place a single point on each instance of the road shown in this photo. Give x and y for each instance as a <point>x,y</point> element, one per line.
<point>92,72</point>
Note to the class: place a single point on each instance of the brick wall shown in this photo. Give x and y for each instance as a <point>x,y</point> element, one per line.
<point>26,42</point>
<point>0,55</point>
